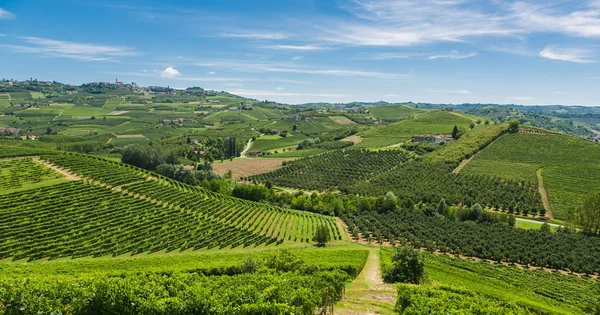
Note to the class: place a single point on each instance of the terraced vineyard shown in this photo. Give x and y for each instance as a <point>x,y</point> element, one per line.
<point>335,169</point>
<point>145,214</point>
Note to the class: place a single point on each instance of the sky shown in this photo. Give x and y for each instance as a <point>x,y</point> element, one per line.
<point>297,51</point>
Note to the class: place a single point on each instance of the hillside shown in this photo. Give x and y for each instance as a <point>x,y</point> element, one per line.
<point>569,166</point>
<point>394,112</point>
<point>108,208</point>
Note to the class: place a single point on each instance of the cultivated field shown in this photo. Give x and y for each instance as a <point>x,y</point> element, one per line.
<point>249,166</point>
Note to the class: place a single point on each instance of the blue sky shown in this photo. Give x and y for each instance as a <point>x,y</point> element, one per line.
<point>439,51</point>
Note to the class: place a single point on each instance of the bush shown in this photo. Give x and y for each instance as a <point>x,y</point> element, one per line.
<point>322,236</point>
<point>408,266</point>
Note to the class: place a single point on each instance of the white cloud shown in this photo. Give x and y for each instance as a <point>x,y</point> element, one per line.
<point>212,73</point>
<point>170,72</point>
<point>237,65</point>
<point>297,58</point>
<point>72,50</point>
<point>296,47</point>
<point>280,88</point>
<point>258,93</point>
<point>452,55</point>
<point>391,95</point>
<point>273,36</point>
<point>415,22</point>
<point>457,92</point>
<point>6,15</point>
<point>522,98</point>
<point>388,56</point>
<point>576,55</point>
<point>550,18</point>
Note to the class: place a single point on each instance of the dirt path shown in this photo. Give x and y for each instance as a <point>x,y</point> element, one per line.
<point>462,165</point>
<point>68,175</point>
<point>248,145</point>
<point>544,194</point>
<point>367,294</point>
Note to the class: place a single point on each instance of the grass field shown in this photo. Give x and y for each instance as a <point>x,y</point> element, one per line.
<point>395,112</point>
<point>270,143</point>
<point>431,123</point>
<point>37,95</point>
<point>341,120</point>
<point>569,165</point>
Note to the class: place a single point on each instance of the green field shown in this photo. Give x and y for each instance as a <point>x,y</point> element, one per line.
<point>431,123</point>
<point>37,95</point>
<point>570,168</point>
<point>277,142</point>
<point>395,112</point>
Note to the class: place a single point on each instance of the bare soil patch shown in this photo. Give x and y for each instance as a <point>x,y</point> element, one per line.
<point>137,136</point>
<point>248,166</point>
<point>117,112</point>
<point>341,120</point>
<point>356,139</point>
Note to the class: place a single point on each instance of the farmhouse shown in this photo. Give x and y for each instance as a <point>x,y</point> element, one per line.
<point>14,131</point>
<point>438,139</point>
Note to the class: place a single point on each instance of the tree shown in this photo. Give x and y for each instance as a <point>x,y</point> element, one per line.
<point>513,126</point>
<point>442,208</point>
<point>587,217</point>
<point>408,266</point>
<point>455,132</point>
<point>322,236</point>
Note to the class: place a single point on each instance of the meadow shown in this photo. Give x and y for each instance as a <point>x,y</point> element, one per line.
<point>395,112</point>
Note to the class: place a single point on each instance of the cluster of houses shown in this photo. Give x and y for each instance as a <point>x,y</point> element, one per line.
<point>177,122</point>
<point>437,139</point>
<point>15,132</point>
<point>117,85</point>
<point>12,82</point>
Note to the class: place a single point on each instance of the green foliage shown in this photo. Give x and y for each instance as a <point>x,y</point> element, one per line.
<point>587,216</point>
<point>496,241</point>
<point>513,126</point>
<point>322,236</point>
<point>469,143</point>
<point>450,300</point>
<point>407,266</point>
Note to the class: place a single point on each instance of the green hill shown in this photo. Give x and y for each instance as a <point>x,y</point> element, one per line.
<point>109,208</point>
<point>569,166</point>
<point>394,112</point>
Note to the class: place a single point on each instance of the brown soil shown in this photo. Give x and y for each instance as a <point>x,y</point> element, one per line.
<point>248,166</point>
<point>356,139</point>
<point>544,194</point>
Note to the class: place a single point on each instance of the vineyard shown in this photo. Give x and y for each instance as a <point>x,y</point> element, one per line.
<point>496,242</point>
<point>144,214</point>
<point>569,165</point>
<point>459,284</point>
<point>17,172</point>
<point>429,182</point>
<point>335,169</point>
<point>281,282</point>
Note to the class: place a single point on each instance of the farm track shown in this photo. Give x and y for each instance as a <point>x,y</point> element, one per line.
<point>248,145</point>
<point>462,165</point>
<point>67,174</point>
<point>362,240</point>
<point>367,294</point>
<point>544,194</point>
